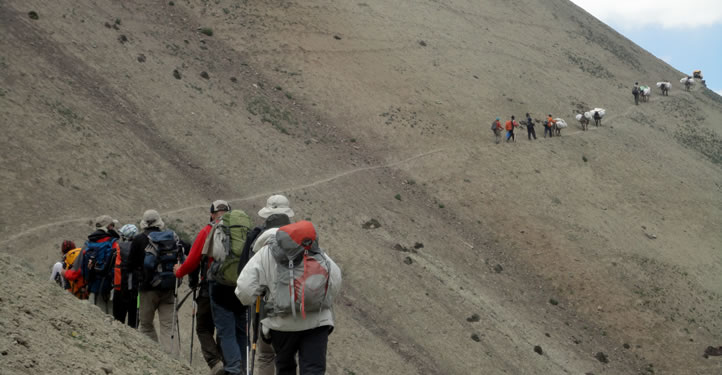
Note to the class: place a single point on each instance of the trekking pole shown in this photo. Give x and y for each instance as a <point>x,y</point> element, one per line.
<point>180,304</point>
<point>256,315</point>
<point>193,323</point>
<point>175,316</point>
<point>137,310</point>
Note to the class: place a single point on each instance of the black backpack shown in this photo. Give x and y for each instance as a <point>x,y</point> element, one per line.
<point>635,91</point>
<point>164,250</point>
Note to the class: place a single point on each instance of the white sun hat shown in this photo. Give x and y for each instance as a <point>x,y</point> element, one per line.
<point>276,204</point>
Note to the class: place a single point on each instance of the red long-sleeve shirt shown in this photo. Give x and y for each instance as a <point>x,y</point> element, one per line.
<point>194,257</point>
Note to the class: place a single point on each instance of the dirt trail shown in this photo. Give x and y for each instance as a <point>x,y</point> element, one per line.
<point>317,182</point>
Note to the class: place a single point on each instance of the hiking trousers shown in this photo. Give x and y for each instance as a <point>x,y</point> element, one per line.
<point>103,302</point>
<point>636,100</point>
<point>531,133</point>
<point>163,302</point>
<point>548,129</point>
<point>310,345</point>
<point>205,328</point>
<point>124,306</point>
<point>265,357</point>
<point>231,327</point>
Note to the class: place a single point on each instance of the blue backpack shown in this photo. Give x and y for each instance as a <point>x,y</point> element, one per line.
<point>98,260</point>
<point>162,253</point>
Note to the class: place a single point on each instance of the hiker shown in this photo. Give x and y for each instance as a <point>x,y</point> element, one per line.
<point>549,126</point>
<point>125,280</point>
<point>635,92</point>
<point>96,262</point>
<point>73,272</point>
<point>597,119</point>
<point>277,213</point>
<point>153,252</point>
<point>530,127</point>
<point>665,88</point>
<point>510,125</point>
<point>196,261</point>
<point>298,323</point>
<point>57,273</point>
<point>224,249</point>
<point>496,129</point>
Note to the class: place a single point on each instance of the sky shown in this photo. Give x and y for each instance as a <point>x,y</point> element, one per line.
<point>685,34</point>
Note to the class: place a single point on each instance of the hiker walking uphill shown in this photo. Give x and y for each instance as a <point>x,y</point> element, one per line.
<point>549,126</point>
<point>153,252</point>
<point>125,280</point>
<point>496,129</point>
<point>635,93</point>
<point>72,272</point>
<point>58,271</point>
<point>95,263</point>
<point>299,318</point>
<point>277,213</point>
<point>225,249</point>
<point>510,125</point>
<point>530,127</point>
<point>597,118</point>
<point>196,261</point>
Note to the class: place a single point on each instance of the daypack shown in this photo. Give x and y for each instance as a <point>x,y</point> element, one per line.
<point>635,91</point>
<point>77,286</point>
<point>161,254</point>
<point>122,268</point>
<point>98,265</point>
<point>302,272</point>
<point>493,126</point>
<point>228,238</point>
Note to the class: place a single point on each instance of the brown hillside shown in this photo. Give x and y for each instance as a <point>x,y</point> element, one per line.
<point>600,241</point>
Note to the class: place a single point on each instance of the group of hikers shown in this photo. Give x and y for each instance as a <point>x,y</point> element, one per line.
<point>551,125</point>
<point>270,281</point>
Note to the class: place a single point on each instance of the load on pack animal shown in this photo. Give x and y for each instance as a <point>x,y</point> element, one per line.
<point>664,86</point>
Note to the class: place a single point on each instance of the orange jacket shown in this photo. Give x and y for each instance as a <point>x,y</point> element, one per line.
<point>550,121</point>
<point>510,124</point>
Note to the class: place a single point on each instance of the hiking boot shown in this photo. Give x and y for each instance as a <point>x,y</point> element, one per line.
<point>217,369</point>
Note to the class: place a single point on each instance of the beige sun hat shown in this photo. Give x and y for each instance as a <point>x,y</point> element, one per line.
<point>103,221</point>
<point>151,218</point>
<point>276,204</point>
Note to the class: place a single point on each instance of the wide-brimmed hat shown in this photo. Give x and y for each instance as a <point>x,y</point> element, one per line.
<point>151,219</point>
<point>103,221</point>
<point>276,204</point>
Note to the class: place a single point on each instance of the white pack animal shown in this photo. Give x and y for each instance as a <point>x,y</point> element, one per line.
<point>665,86</point>
<point>559,125</point>
<point>584,119</point>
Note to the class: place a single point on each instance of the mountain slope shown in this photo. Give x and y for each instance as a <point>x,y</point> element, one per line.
<point>380,110</point>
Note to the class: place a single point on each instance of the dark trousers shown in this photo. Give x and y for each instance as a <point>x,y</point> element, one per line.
<point>206,329</point>
<point>597,121</point>
<point>310,346</point>
<point>125,303</point>
<point>530,132</point>
<point>229,317</point>
<point>548,129</point>
<point>636,99</point>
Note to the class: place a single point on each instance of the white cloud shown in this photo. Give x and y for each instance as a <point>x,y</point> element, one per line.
<point>719,92</point>
<point>666,13</point>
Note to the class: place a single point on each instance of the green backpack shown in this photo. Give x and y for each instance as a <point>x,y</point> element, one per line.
<point>228,237</point>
